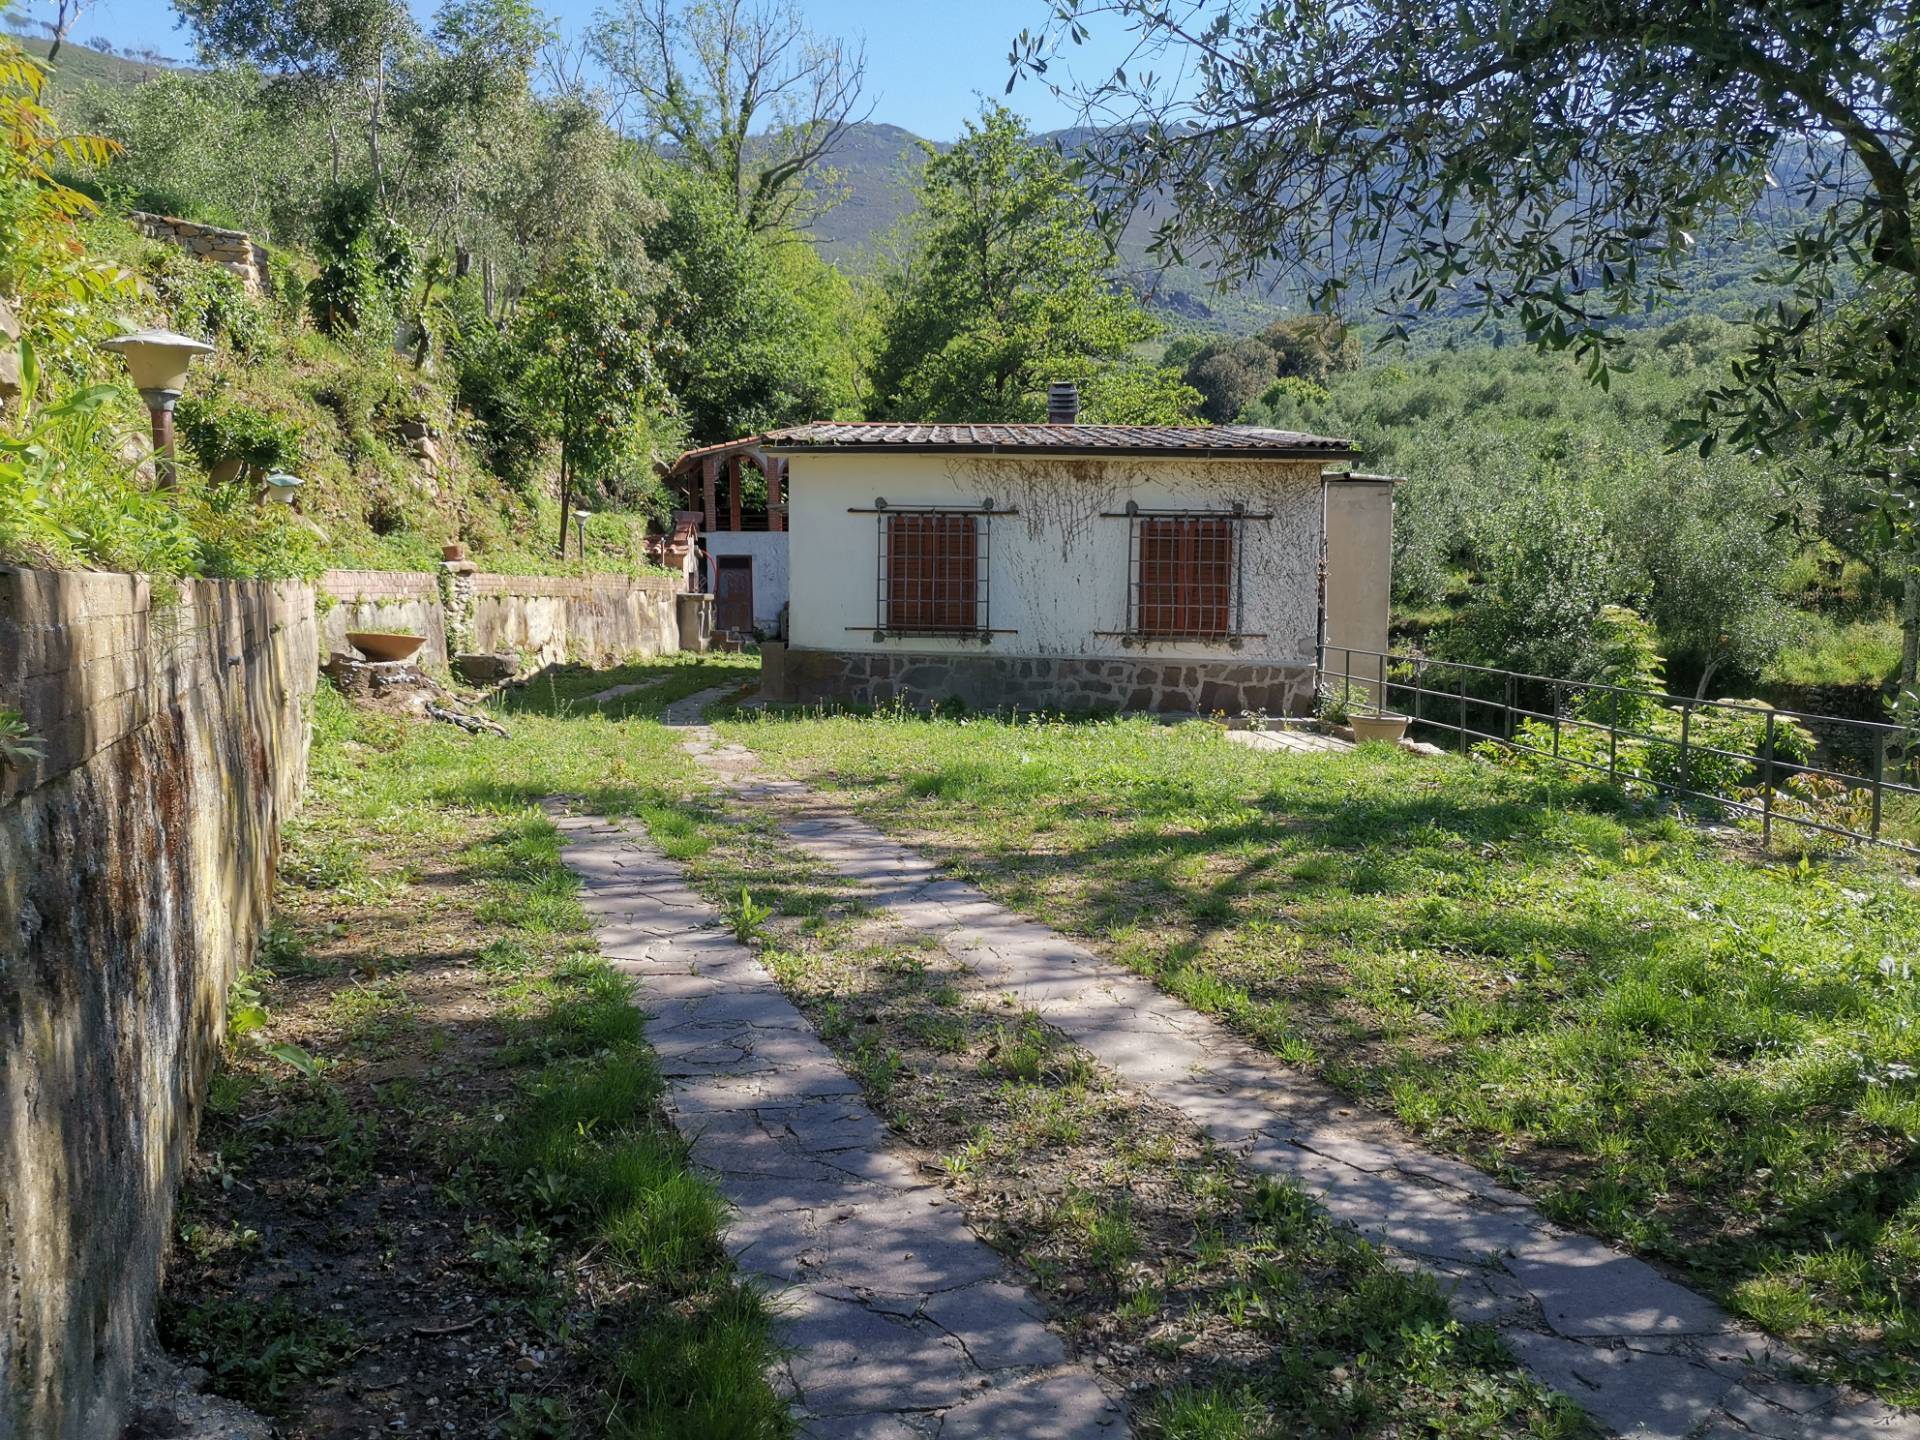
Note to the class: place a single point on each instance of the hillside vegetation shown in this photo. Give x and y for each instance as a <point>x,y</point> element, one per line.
<point>1534,499</point>
<point>487,307</point>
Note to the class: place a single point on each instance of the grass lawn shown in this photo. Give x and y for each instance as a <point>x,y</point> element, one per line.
<point>565,691</point>
<point>1711,1057</point>
<point>433,1190</point>
<point>1223,1304</point>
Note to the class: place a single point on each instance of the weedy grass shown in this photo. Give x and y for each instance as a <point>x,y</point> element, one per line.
<point>566,690</point>
<point>1709,1053</point>
<point>1161,1259</point>
<point>571,1216</point>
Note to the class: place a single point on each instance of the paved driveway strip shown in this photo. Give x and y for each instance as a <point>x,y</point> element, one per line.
<point>901,1322</point>
<point>1644,1355</point>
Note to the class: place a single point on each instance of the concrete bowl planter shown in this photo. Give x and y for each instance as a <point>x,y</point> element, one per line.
<point>383,645</point>
<point>1390,728</point>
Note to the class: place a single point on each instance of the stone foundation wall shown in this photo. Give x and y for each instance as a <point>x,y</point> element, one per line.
<point>235,250</point>
<point>1071,684</point>
<point>136,869</point>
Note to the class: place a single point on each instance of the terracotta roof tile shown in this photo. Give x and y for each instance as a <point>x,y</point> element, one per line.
<point>1211,440</point>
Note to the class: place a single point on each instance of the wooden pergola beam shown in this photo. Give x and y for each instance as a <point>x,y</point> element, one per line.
<point>709,481</point>
<point>733,492</point>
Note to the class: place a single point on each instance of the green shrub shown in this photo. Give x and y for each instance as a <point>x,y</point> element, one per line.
<point>1860,652</point>
<point>218,428</point>
<point>369,261</point>
<point>1551,571</point>
<point>1720,757</point>
<point>212,302</point>
<point>489,370</point>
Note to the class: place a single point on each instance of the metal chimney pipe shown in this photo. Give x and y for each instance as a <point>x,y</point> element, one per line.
<point>1063,403</point>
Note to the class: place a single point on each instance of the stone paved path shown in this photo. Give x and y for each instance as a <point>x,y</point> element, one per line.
<point>1303,742</point>
<point>902,1323</point>
<point>1645,1356</point>
<point>615,692</point>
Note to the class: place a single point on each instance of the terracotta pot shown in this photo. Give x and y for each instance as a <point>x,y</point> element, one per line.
<point>385,644</point>
<point>453,552</point>
<point>1390,728</point>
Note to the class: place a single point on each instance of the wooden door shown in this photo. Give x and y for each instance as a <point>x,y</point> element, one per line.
<point>733,594</point>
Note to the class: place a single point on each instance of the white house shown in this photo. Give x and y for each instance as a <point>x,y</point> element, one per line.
<point>1075,567</point>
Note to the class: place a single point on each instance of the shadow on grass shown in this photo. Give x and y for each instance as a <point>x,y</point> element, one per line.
<point>567,691</point>
<point>1619,1031</point>
<point>546,1152</point>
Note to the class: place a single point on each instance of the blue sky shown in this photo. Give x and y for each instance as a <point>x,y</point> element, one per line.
<point>928,62</point>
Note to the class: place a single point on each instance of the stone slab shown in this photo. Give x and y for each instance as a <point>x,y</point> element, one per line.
<point>896,1314</point>
<point>1645,1356</point>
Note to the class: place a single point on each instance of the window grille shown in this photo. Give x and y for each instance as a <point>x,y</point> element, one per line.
<point>1184,575</point>
<point>933,572</point>
<point>1185,580</point>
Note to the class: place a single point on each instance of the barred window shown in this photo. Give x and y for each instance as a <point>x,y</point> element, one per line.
<point>933,572</point>
<point>1185,583</point>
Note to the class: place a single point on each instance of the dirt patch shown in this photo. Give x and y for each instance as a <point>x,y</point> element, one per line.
<point>338,1259</point>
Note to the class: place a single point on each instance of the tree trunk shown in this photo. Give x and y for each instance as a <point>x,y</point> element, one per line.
<point>1706,678</point>
<point>1910,626</point>
<point>376,105</point>
<point>566,479</point>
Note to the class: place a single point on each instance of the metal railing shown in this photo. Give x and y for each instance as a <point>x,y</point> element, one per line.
<point>1480,703</point>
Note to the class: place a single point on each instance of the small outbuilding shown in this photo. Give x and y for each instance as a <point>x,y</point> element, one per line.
<point>1073,567</point>
<point>728,536</point>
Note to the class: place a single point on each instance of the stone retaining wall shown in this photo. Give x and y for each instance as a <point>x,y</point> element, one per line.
<point>544,618</point>
<point>1831,707</point>
<point>235,250</point>
<point>596,618</point>
<point>136,869</point>
<point>996,682</point>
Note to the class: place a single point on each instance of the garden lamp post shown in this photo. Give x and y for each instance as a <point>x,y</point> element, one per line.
<point>283,488</point>
<point>580,523</point>
<point>158,360</point>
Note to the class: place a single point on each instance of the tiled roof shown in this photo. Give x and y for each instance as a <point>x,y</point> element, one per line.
<point>1194,440</point>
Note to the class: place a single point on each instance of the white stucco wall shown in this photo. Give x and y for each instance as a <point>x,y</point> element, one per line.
<point>1359,575</point>
<point>1057,571</point>
<point>770,578</point>
<point>1359,569</point>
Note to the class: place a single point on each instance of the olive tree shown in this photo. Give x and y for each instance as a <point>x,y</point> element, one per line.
<point>1550,163</point>
<point>739,90</point>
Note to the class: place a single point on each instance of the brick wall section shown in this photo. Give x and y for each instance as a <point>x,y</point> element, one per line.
<point>404,601</point>
<point>545,618</point>
<point>136,870</point>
